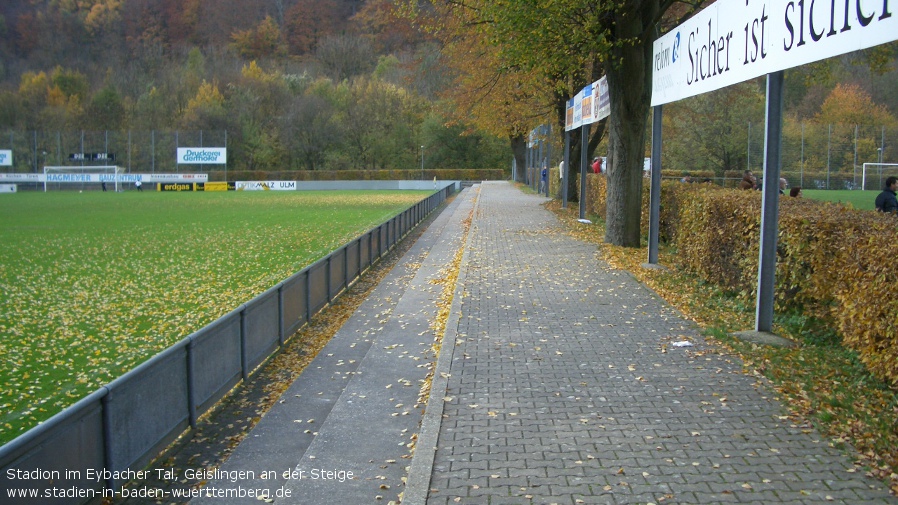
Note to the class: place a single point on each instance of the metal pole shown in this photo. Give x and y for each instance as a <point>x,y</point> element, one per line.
<point>534,177</point>
<point>748,149</point>
<point>566,170</point>
<point>829,147</point>
<point>527,163</point>
<point>655,192</point>
<point>540,160</point>
<point>422,163</point>
<point>854,177</point>
<point>801,179</point>
<point>548,162</point>
<point>770,202</point>
<point>584,140</point>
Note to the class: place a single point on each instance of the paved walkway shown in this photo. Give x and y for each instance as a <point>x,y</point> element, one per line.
<point>564,388</point>
<point>344,431</point>
<point>558,382</point>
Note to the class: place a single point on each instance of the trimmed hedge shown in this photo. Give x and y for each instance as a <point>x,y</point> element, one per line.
<point>484,174</point>
<point>833,262</point>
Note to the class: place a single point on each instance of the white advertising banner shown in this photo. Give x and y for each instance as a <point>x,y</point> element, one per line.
<point>601,99</point>
<point>569,116</point>
<point>591,105</point>
<point>733,41</point>
<point>266,185</point>
<point>21,178</point>
<point>102,177</point>
<point>202,155</point>
<point>586,101</point>
<point>170,177</point>
<point>5,158</point>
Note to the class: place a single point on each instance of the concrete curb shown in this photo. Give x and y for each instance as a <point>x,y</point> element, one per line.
<point>417,484</point>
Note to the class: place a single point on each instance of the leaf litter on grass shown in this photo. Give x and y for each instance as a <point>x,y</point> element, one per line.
<point>91,286</point>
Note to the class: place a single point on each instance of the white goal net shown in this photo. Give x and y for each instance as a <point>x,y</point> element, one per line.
<point>875,175</point>
<point>88,177</point>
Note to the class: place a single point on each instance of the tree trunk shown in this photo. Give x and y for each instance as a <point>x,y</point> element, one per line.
<point>630,87</point>
<point>519,150</point>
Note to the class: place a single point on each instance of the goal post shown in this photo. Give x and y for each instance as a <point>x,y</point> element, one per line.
<point>877,172</point>
<point>97,174</point>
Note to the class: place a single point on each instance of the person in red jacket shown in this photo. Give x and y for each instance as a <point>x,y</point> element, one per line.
<point>597,166</point>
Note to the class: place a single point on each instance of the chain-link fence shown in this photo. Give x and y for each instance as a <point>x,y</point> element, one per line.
<point>815,156</point>
<point>828,156</point>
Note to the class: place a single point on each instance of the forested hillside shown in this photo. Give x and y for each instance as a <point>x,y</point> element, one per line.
<point>296,84</point>
<point>335,84</point>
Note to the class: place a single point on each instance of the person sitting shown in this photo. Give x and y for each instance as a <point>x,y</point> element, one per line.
<point>795,192</point>
<point>748,181</point>
<point>887,201</point>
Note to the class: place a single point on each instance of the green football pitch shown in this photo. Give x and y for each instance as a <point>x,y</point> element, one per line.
<point>862,200</point>
<point>94,283</point>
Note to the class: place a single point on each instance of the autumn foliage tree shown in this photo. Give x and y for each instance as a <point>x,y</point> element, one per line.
<point>846,107</point>
<point>263,41</point>
<point>485,91</point>
<point>570,40</point>
<point>308,21</point>
<point>849,104</point>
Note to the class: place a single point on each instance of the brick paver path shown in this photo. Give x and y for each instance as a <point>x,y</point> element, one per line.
<point>560,390</point>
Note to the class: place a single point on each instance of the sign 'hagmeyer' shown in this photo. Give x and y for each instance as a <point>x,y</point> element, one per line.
<point>736,40</point>
<point>202,155</point>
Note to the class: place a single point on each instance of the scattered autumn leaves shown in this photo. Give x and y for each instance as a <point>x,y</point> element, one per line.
<point>93,284</point>
<point>822,384</point>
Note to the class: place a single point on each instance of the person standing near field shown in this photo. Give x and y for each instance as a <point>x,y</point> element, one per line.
<point>887,201</point>
<point>138,184</point>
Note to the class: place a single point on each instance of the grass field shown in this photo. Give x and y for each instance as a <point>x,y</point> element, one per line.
<point>92,284</point>
<point>861,200</point>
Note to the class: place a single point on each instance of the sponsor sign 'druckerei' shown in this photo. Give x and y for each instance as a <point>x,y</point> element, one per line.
<point>735,40</point>
<point>266,185</point>
<point>202,155</point>
<point>5,158</point>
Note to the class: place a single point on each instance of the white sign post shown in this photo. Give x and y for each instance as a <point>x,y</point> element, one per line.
<point>736,40</point>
